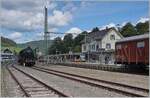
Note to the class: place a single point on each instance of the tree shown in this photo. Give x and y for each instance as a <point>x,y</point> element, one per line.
<point>77,48</point>
<point>57,46</point>
<point>79,38</point>
<point>142,27</point>
<point>77,41</point>
<point>95,29</point>
<point>128,30</point>
<point>68,42</point>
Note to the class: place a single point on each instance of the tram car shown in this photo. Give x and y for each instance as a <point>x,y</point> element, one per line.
<point>133,51</point>
<point>26,57</point>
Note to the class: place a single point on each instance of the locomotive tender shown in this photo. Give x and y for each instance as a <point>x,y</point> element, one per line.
<point>133,50</point>
<point>26,57</point>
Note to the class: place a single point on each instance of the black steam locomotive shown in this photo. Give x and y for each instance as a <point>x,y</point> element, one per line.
<point>26,57</point>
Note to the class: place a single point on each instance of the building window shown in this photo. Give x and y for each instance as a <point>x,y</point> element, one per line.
<point>112,37</point>
<point>118,46</point>
<point>140,44</point>
<point>108,46</point>
<point>93,47</point>
<point>84,48</point>
<point>97,46</point>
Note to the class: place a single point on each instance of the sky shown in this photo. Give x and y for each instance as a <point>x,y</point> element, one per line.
<point>23,20</point>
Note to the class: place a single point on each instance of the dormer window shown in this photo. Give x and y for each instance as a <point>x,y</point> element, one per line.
<point>112,37</point>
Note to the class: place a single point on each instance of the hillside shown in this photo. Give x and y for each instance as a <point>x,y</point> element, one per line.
<point>5,42</point>
<point>35,44</point>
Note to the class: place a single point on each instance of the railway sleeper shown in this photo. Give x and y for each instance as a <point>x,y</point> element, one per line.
<point>94,84</point>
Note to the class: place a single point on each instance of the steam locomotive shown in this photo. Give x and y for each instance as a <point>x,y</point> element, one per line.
<point>26,57</point>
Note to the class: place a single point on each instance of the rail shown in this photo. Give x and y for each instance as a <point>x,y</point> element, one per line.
<point>89,82</point>
<point>44,84</point>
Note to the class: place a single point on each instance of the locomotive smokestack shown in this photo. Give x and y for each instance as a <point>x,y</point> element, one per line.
<point>45,22</point>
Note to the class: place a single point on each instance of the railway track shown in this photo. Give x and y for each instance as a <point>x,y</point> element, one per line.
<point>116,87</point>
<point>106,68</point>
<point>31,86</point>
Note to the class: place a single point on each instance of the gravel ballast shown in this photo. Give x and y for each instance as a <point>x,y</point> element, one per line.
<point>124,78</point>
<point>9,87</point>
<point>70,87</point>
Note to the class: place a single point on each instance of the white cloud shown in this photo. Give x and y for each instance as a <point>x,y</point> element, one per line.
<point>15,35</point>
<point>28,15</point>
<point>51,5</point>
<point>1,34</point>
<point>85,4</point>
<point>108,26</point>
<point>21,21</point>
<point>60,18</point>
<point>27,5</point>
<point>123,24</point>
<point>70,6</point>
<point>74,31</point>
<point>40,35</point>
<point>143,20</point>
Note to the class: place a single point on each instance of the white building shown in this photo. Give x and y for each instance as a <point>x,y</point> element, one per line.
<point>101,41</point>
<point>104,39</point>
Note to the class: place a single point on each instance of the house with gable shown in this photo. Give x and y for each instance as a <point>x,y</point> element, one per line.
<point>99,46</point>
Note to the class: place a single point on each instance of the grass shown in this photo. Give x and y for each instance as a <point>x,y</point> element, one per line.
<point>17,49</point>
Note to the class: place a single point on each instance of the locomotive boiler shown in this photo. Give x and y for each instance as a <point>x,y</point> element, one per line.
<point>26,57</point>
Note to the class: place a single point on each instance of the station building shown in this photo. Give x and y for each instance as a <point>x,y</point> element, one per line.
<point>99,46</point>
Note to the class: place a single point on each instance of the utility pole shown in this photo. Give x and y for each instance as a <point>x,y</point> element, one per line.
<point>87,49</point>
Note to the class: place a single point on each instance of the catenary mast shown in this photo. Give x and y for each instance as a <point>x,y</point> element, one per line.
<point>46,35</point>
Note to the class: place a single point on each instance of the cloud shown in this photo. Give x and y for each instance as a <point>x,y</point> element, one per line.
<point>70,6</point>
<point>1,34</point>
<point>27,5</point>
<point>85,4</point>
<point>21,21</point>
<point>123,24</point>
<point>143,20</point>
<point>40,35</point>
<point>108,26</point>
<point>60,18</point>
<point>28,15</point>
<point>74,31</point>
<point>15,35</point>
<point>51,5</point>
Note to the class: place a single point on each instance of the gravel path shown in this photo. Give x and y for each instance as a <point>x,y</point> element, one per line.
<point>71,87</point>
<point>9,87</point>
<point>129,79</point>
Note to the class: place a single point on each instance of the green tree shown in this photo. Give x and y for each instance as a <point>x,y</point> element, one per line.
<point>77,48</point>
<point>79,38</point>
<point>142,27</point>
<point>128,30</point>
<point>95,29</point>
<point>57,46</point>
<point>77,41</point>
<point>68,42</point>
